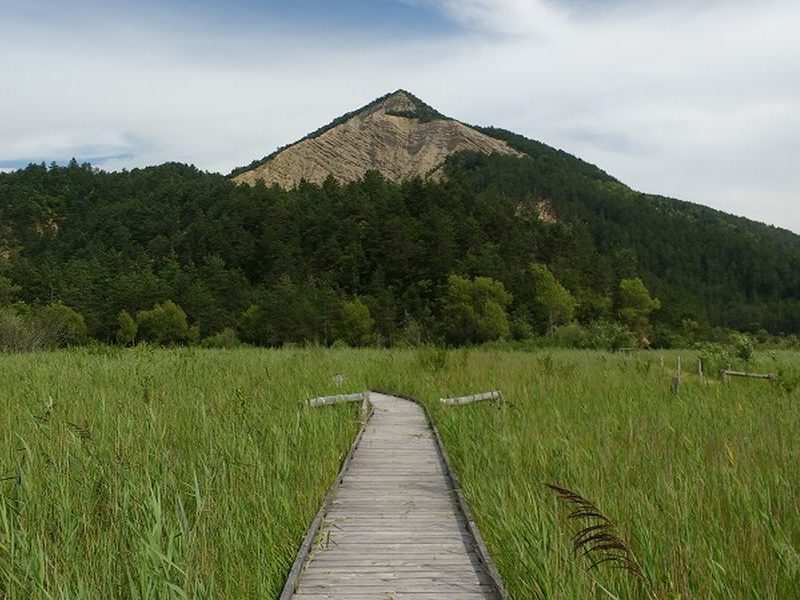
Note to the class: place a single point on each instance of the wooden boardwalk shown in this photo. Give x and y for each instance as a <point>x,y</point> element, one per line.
<point>395,526</point>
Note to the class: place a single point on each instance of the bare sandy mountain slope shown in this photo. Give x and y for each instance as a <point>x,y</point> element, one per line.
<point>397,135</point>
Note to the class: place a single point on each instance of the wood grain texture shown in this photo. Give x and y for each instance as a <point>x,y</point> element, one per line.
<point>393,527</point>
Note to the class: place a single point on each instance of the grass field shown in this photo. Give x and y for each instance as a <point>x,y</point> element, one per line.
<point>191,473</point>
<point>156,474</point>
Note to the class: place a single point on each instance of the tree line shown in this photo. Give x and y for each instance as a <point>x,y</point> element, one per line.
<point>170,254</point>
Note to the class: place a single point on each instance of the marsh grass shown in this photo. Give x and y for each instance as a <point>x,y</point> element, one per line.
<point>704,486</point>
<point>161,474</point>
<point>194,473</point>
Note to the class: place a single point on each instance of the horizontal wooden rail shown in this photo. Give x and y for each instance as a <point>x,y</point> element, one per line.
<point>728,373</point>
<point>325,400</point>
<point>495,395</point>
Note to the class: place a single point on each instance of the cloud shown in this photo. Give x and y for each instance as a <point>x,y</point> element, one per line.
<point>510,17</point>
<point>701,104</point>
<point>695,100</point>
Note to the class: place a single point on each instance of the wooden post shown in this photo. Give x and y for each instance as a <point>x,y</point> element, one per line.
<point>495,396</point>
<point>700,367</point>
<point>325,400</point>
<point>363,411</point>
<point>680,374</point>
<point>728,374</point>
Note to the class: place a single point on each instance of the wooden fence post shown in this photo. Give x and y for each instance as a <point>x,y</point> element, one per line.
<point>363,410</point>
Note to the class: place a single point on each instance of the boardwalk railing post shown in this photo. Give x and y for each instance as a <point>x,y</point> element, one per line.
<point>363,411</point>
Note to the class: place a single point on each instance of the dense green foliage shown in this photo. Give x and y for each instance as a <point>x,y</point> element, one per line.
<point>25,328</point>
<point>724,270</point>
<point>475,310</point>
<point>279,266</point>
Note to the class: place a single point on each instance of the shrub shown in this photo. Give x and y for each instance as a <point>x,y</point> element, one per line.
<point>520,330</point>
<point>127,328</point>
<point>571,335</point>
<point>412,334</point>
<point>23,328</point>
<point>742,347</point>
<point>610,335</point>
<point>718,357</point>
<point>226,338</point>
<point>355,323</point>
<point>13,330</point>
<point>475,310</point>
<point>61,326</point>
<point>164,324</point>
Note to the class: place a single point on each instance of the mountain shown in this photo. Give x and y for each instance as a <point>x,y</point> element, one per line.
<point>397,135</point>
<point>415,202</point>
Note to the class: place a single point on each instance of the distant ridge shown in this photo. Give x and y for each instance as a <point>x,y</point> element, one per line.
<point>398,135</point>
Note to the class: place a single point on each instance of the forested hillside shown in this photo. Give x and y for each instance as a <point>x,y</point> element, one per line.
<point>502,247</point>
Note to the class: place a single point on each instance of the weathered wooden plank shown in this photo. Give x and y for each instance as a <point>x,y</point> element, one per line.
<point>381,589</point>
<point>400,564</point>
<point>326,400</point>
<point>339,579</point>
<point>456,595</point>
<point>728,373</point>
<point>392,527</point>
<point>496,395</point>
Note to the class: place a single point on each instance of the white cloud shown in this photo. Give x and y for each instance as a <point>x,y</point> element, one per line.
<point>699,101</point>
<point>700,104</point>
<point>512,17</point>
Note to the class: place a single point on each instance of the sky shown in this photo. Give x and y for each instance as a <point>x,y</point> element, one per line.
<point>695,99</point>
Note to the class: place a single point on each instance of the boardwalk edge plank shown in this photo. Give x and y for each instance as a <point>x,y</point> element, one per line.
<point>290,587</point>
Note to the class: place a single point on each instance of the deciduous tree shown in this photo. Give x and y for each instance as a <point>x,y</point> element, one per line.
<point>475,310</point>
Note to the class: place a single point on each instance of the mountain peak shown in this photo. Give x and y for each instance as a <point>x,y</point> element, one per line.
<point>402,97</point>
<point>397,134</point>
